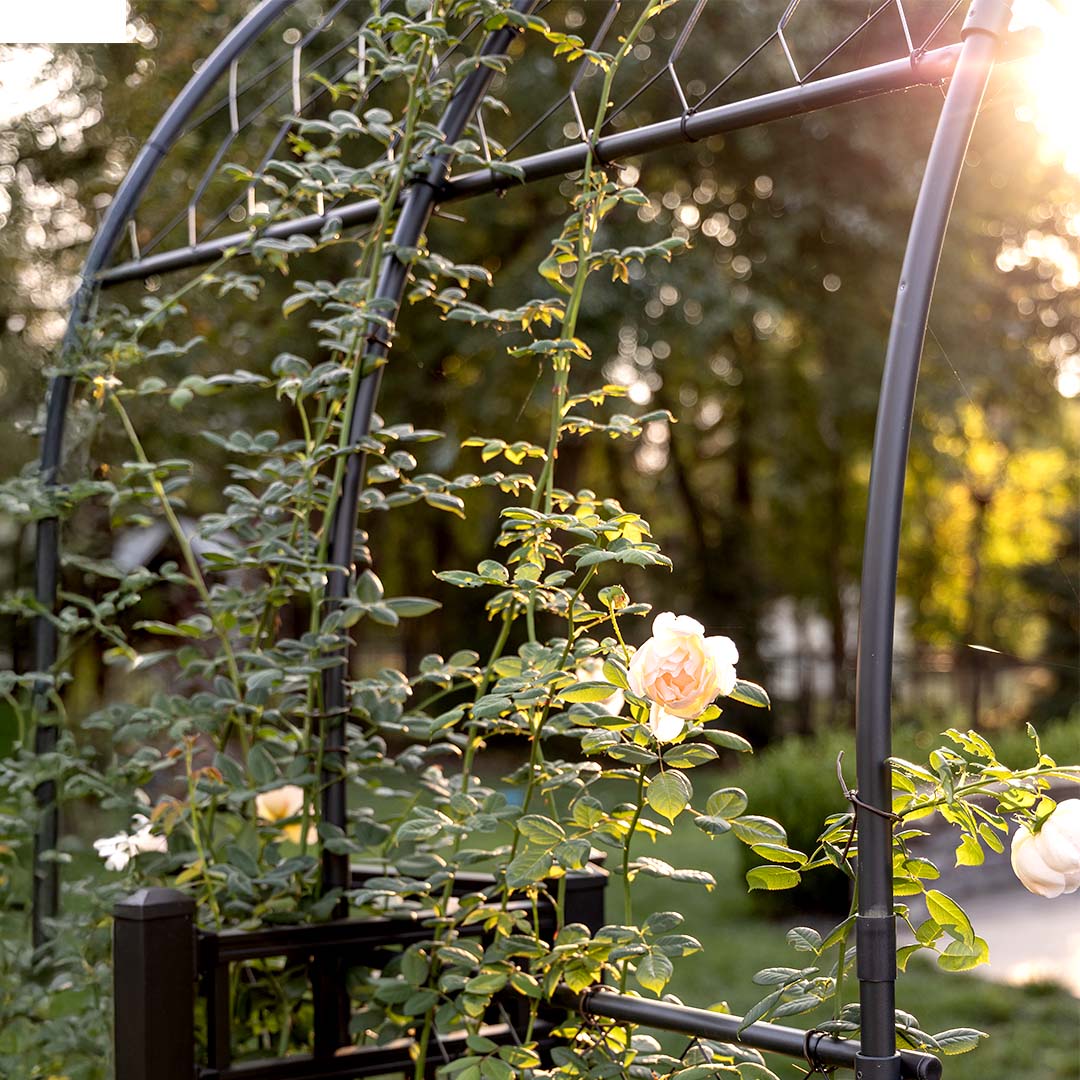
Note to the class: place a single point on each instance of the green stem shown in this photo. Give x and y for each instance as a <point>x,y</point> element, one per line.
<point>196,834</point>
<point>838,993</point>
<point>628,906</point>
<point>192,563</point>
<point>535,751</point>
<point>356,350</point>
<point>588,226</point>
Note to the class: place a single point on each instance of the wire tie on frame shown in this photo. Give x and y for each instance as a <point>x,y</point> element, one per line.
<point>375,338</point>
<point>234,114</point>
<point>483,134</point>
<point>852,794</point>
<point>297,99</point>
<point>687,137</point>
<point>810,1053</point>
<point>586,136</point>
<point>902,15</point>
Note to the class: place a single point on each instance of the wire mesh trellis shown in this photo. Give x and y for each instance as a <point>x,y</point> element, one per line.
<point>792,69</point>
<point>674,75</point>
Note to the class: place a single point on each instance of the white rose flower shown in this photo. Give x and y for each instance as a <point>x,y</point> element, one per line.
<point>681,671</point>
<point>118,850</point>
<point>1048,862</point>
<point>591,669</point>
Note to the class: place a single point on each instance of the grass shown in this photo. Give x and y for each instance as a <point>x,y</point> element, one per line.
<point>1035,1030</point>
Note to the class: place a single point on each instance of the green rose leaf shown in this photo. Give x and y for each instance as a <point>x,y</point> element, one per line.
<point>654,972</point>
<point>752,829</point>
<point>528,868</point>
<point>541,830</point>
<point>773,878</point>
<point>689,755</point>
<point>750,694</point>
<point>369,588</point>
<point>728,740</point>
<point>947,913</point>
<point>970,852</point>
<point>714,826</point>
<point>959,1040</point>
<point>804,939</point>
<point>615,673</point>
<point>669,794</point>
<point>726,803</point>
<point>587,691</point>
<point>964,955</point>
<point>411,607</point>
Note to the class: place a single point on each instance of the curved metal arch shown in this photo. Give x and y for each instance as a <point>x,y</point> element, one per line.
<point>45,895</point>
<point>876,923</point>
<point>419,203</point>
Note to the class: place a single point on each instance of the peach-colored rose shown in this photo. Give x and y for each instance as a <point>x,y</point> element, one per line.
<point>681,671</point>
<point>281,803</point>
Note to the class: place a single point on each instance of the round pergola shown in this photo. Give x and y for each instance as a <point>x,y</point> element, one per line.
<point>965,65</point>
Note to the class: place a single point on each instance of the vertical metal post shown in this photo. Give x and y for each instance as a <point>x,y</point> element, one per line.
<point>154,985</point>
<point>45,901</point>
<point>876,923</point>
<point>418,203</point>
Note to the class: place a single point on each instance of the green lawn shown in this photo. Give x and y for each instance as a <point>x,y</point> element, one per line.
<point>1035,1031</point>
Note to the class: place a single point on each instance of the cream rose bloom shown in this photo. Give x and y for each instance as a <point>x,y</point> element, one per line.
<point>281,803</point>
<point>1048,863</point>
<point>681,671</point>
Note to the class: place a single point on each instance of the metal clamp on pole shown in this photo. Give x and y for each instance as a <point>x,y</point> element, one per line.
<point>875,948</point>
<point>988,17</point>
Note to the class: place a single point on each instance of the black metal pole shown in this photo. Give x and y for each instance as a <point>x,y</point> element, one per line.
<point>876,923</point>
<point>419,202</point>
<point>772,1038</point>
<point>45,900</point>
<point>154,985</point>
<point>930,69</point>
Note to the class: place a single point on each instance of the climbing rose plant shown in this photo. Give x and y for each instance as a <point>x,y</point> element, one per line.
<point>223,718</point>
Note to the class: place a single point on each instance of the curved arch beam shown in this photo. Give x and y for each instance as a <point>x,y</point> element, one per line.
<point>45,899</point>
<point>876,923</point>
<point>418,204</point>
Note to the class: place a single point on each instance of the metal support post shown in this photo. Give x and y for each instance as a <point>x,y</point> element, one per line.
<point>154,985</point>
<point>876,923</point>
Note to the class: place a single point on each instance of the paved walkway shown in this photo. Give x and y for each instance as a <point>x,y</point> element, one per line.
<point>1030,938</point>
